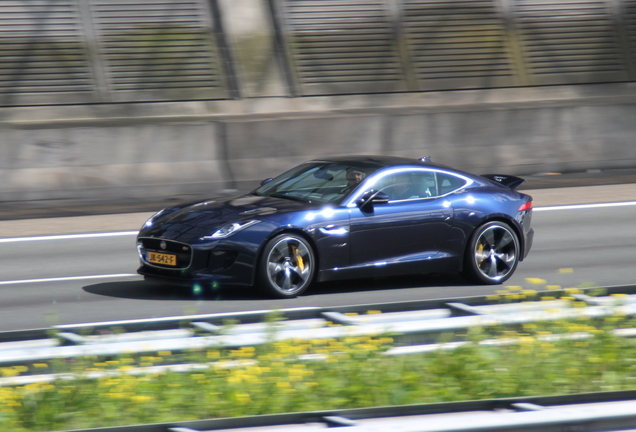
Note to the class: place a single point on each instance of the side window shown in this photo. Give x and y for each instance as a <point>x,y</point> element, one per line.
<point>448,183</point>
<point>409,185</point>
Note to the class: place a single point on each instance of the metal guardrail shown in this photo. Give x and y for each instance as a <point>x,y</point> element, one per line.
<point>416,326</point>
<point>612,411</point>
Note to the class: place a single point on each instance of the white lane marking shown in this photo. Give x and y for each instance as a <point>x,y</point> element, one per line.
<point>585,206</point>
<point>67,279</point>
<point>68,236</point>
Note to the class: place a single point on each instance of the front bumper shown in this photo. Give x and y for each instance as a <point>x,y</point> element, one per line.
<point>193,263</point>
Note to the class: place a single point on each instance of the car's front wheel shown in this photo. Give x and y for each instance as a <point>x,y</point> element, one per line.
<point>492,253</point>
<point>287,266</point>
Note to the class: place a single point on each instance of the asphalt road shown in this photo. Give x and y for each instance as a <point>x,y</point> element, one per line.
<point>81,279</point>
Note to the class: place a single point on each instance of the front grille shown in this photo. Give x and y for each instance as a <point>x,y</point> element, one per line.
<point>182,251</point>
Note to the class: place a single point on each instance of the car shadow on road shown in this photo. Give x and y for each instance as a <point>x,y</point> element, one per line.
<point>143,290</point>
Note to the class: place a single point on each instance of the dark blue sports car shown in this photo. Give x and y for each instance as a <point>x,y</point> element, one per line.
<point>344,217</point>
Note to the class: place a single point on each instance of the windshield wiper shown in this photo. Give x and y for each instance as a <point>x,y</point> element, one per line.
<point>287,196</point>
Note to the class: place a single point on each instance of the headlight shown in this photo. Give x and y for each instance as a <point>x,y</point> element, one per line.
<point>231,228</point>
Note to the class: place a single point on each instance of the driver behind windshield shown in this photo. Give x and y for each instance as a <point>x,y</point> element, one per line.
<point>354,178</point>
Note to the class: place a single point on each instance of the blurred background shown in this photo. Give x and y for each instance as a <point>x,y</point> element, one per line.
<point>129,101</point>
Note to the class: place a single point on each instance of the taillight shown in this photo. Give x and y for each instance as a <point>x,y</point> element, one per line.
<point>526,206</point>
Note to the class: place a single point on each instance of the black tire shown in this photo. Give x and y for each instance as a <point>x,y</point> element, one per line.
<point>287,266</point>
<point>492,254</point>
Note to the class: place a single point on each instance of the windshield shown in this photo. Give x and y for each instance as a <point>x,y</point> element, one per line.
<point>322,182</point>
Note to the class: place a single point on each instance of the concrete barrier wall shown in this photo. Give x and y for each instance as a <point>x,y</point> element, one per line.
<point>138,151</point>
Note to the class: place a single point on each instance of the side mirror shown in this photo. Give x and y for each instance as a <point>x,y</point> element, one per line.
<point>267,180</point>
<point>371,198</point>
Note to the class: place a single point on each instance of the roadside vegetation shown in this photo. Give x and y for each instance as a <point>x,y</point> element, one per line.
<point>587,356</point>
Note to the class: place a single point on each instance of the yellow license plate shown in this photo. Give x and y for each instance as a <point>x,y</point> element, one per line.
<point>161,258</point>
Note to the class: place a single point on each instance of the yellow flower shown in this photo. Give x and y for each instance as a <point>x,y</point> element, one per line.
<point>9,372</point>
<point>233,379</point>
<point>536,281</point>
<point>566,270</point>
<point>243,397</point>
<point>141,398</point>
<point>527,340</point>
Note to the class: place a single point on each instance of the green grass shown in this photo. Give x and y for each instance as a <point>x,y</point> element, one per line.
<point>314,375</point>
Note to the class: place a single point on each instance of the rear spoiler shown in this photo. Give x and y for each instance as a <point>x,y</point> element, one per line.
<point>507,180</point>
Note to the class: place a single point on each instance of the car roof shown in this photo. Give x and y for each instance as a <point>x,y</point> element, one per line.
<point>379,161</point>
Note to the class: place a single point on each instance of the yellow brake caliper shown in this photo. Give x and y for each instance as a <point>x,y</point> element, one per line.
<point>480,251</point>
<point>299,259</point>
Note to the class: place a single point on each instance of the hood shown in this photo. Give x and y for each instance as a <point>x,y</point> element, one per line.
<point>192,221</point>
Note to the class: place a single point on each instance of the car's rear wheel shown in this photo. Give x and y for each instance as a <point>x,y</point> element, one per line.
<point>492,254</point>
<point>287,266</point>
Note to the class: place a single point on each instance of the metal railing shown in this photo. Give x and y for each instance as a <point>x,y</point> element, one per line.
<point>415,327</point>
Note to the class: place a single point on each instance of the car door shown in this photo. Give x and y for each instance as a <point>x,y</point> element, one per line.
<point>411,228</point>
